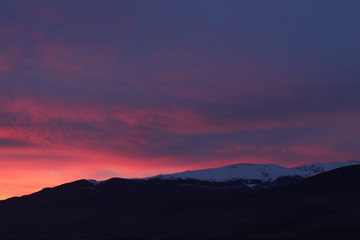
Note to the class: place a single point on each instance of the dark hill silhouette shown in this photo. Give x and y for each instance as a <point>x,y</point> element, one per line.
<point>326,206</point>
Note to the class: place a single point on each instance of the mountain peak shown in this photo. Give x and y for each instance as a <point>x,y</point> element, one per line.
<point>251,171</point>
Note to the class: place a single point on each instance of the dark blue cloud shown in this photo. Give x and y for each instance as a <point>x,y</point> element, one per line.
<point>14,143</point>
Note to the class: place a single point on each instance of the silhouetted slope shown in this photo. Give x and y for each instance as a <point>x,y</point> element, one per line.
<point>325,206</point>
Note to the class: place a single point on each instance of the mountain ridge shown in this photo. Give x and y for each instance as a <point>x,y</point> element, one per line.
<point>249,171</point>
<point>324,206</point>
<point>246,182</point>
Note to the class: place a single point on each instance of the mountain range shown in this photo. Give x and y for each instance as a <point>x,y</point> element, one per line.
<point>319,201</point>
<point>262,172</point>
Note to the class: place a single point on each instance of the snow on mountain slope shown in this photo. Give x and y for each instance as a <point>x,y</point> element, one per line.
<point>263,172</point>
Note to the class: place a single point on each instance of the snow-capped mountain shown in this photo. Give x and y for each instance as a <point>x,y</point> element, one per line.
<point>161,209</point>
<point>262,172</point>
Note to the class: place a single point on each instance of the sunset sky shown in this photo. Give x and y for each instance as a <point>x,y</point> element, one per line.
<point>123,88</point>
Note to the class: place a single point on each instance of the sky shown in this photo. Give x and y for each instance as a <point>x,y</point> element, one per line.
<point>122,88</point>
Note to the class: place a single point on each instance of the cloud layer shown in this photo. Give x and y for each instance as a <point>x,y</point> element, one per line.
<point>135,88</point>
